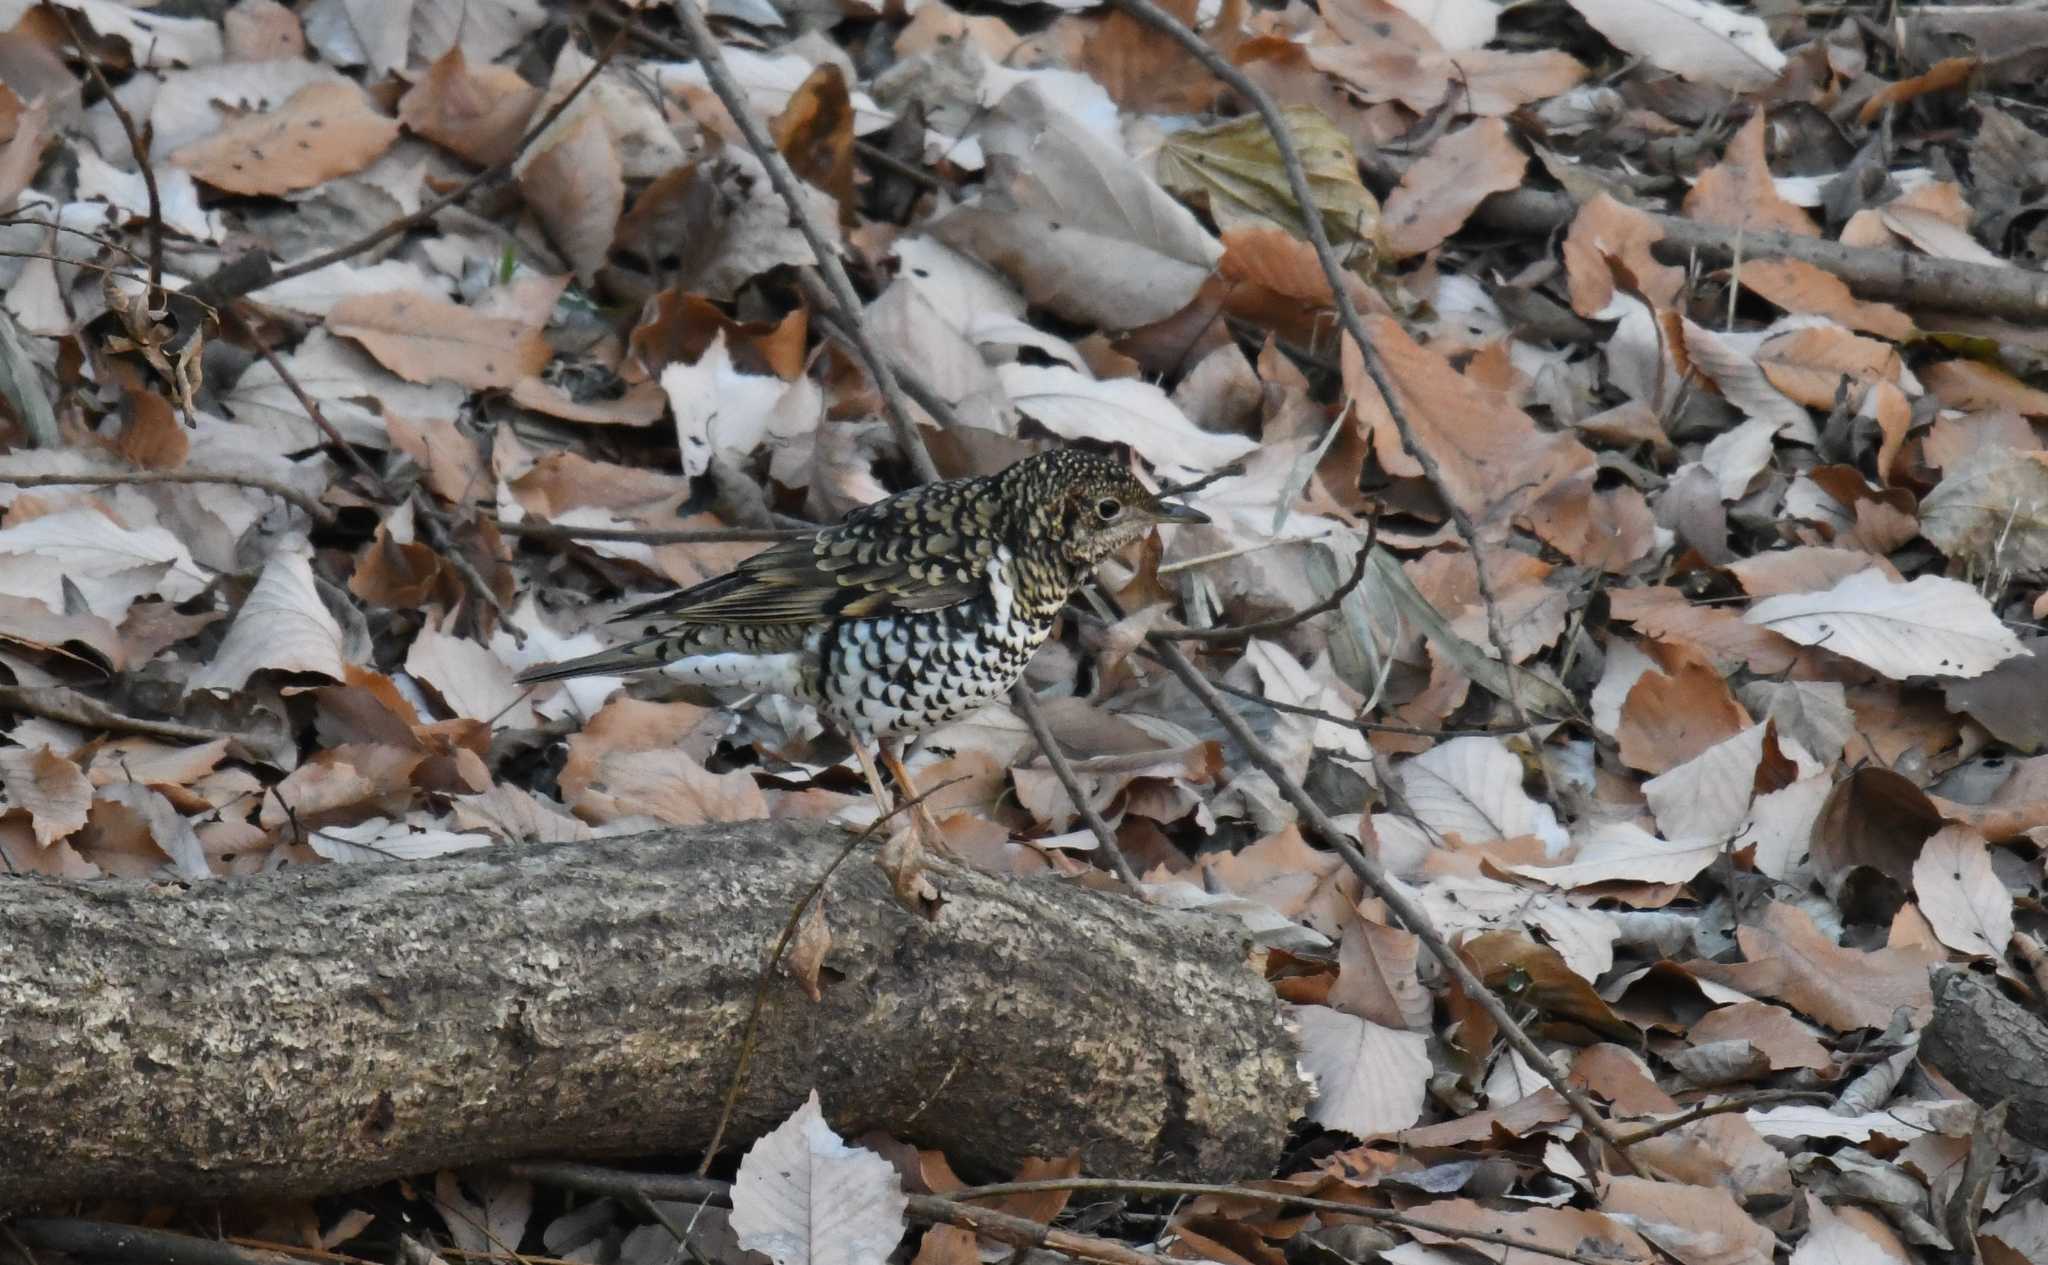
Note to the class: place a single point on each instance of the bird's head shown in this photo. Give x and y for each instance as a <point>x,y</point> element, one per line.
<point>1088,503</point>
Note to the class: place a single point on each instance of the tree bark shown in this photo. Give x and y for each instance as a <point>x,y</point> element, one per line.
<point>326,1028</point>
<point>1992,1049</point>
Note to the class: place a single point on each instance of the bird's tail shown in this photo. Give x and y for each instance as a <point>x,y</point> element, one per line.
<point>637,656</point>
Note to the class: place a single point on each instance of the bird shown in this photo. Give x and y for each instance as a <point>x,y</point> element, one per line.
<point>909,612</point>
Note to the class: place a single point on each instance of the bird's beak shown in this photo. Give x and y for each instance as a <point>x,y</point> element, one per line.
<point>1169,512</point>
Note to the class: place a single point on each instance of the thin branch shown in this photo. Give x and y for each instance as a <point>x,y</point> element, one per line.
<point>136,147</point>
<point>433,524</point>
<point>1411,913</point>
<point>306,402</point>
<point>563,533</point>
<point>953,1208</point>
<point>68,706</point>
<point>1026,704</point>
<point>789,930</point>
<point>1267,627</point>
<point>100,1240</point>
<point>427,211</point>
<point>1159,19</point>
<point>840,287</point>
<point>1277,1198</point>
<point>1363,726</point>
<point>1738,1102</point>
<point>311,505</point>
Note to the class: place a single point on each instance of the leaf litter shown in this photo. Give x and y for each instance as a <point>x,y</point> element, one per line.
<point>1762,535</point>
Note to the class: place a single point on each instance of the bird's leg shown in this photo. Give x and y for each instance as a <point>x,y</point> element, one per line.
<point>884,802</point>
<point>926,823</point>
<point>903,855</point>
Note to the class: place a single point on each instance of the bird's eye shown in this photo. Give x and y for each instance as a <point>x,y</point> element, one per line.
<point>1108,508</point>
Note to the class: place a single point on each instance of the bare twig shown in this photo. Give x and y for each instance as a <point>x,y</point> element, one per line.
<point>428,210</point>
<point>1722,1107</point>
<point>563,533</point>
<point>789,930</point>
<point>954,1208</point>
<point>136,147</point>
<point>311,505</point>
<point>1026,704</point>
<point>70,707</point>
<point>1267,627</point>
<point>433,524</point>
<point>1363,726</point>
<point>1159,19</point>
<point>1994,290</point>
<point>1404,905</point>
<point>1277,1198</point>
<point>307,402</point>
<point>100,1240</point>
<point>837,284</point>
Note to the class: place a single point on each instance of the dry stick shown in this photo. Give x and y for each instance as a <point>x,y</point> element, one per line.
<point>564,534</point>
<point>1159,19</point>
<point>1397,898</point>
<point>1738,1102</point>
<point>314,509</point>
<point>1026,704</point>
<point>789,930</point>
<point>100,1240</point>
<point>432,521</point>
<point>1405,907</point>
<point>1948,285</point>
<point>135,147</point>
<point>426,213</point>
<point>1266,627</point>
<point>838,284</point>
<point>68,706</point>
<point>1279,1198</point>
<point>931,1209</point>
<point>1363,726</point>
<point>951,1208</point>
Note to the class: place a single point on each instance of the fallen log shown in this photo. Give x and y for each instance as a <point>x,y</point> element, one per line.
<point>326,1028</point>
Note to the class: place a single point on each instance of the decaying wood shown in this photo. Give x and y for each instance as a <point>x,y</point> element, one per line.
<point>325,1028</point>
<point>1992,1049</point>
<point>1994,291</point>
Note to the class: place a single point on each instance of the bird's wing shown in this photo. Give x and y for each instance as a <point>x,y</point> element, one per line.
<point>921,550</point>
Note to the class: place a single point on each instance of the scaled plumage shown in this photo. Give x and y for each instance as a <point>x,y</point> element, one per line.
<point>909,612</point>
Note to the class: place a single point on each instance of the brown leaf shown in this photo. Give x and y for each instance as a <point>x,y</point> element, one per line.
<point>478,114</point>
<point>422,338</point>
<point>1737,192</point>
<point>1142,70</point>
<point>1793,960</point>
<point>153,437</point>
<point>815,133</point>
<point>1570,1231</point>
<point>326,129</point>
<point>1697,1225</point>
<point>1785,1042</point>
<point>1670,716</point>
<point>577,188</point>
<point>1376,977</point>
<point>807,949</point>
<point>1493,458</point>
<point>50,789</point>
<point>1798,286</point>
<point>1448,183</point>
<point>1612,240</point>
